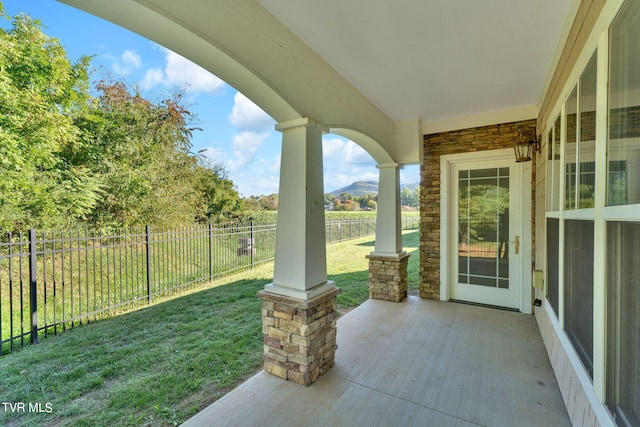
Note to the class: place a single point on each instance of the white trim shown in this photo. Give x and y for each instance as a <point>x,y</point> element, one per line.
<point>304,295</point>
<point>447,161</point>
<point>599,226</point>
<point>445,165</point>
<point>300,122</point>
<point>526,268</point>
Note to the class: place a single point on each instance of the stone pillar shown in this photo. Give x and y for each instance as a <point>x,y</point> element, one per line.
<point>388,262</point>
<point>388,277</point>
<point>299,335</point>
<point>299,307</point>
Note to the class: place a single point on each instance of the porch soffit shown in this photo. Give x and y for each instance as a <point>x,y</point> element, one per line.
<point>436,60</point>
<point>362,66</point>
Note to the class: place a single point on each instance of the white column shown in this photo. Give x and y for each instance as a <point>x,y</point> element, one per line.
<point>389,220</point>
<point>301,260</point>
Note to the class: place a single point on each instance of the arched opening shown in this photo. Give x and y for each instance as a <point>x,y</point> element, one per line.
<point>305,97</point>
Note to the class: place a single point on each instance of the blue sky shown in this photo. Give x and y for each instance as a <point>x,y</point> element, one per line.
<point>236,133</point>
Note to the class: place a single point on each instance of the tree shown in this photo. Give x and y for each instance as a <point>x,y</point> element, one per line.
<point>141,151</point>
<point>40,93</point>
<point>220,200</point>
<point>111,160</point>
<point>410,197</point>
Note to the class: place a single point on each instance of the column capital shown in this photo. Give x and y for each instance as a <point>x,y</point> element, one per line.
<point>303,122</point>
<point>388,165</point>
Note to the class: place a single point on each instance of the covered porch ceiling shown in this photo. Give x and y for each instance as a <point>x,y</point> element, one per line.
<point>366,68</point>
<point>435,60</point>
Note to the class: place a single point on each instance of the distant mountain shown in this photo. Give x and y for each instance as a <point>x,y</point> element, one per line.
<point>358,188</point>
<point>361,188</point>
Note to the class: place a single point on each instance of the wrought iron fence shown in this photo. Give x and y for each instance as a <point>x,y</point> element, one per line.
<point>54,280</point>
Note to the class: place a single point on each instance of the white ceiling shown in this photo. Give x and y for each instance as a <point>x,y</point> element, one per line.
<point>433,59</point>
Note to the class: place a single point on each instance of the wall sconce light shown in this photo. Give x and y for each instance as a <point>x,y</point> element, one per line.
<point>526,144</point>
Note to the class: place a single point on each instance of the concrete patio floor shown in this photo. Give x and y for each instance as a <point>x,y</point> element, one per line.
<point>415,363</point>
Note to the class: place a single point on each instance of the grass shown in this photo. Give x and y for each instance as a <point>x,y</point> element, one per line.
<point>162,364</point>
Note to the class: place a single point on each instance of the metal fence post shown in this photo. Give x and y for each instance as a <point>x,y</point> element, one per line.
<point>253,243</point>
<point>148,247</point>
<point>33,285</point>
<point>210,251</point>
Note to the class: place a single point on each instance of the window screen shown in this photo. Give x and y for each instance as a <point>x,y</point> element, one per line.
<point>553,234</point>
<point>623,322</point>
<point>578,288</point>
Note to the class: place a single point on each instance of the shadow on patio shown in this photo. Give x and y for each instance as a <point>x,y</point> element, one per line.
<point>419,362</point>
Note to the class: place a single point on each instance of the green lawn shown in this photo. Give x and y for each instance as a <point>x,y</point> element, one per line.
<point>162,364</point>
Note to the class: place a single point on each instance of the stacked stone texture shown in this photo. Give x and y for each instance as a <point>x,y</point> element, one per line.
<point>299,336</point>
<point>483,138</point>
<point>388,278</point>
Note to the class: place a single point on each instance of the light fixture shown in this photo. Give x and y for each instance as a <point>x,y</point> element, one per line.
<point>526,143</point>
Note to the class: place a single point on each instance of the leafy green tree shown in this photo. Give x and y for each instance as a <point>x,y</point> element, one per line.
<point>410,197</point>
<point>111,160</point>
<point>41,92</point>
<point>220,200</point>
<point>141,151</point>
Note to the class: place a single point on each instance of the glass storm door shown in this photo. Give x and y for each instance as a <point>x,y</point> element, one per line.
<point>486,239</point>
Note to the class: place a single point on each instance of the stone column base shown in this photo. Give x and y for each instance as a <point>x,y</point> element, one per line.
<point>388,278</point>
<point>299,335</point>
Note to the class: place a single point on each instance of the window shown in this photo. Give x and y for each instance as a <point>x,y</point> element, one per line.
<point>570,150</point>
<point>623,322</point>
<point>553,171</point>
<point>578,288</point>
<point>580,146</point>
<point>553,235</point>
<point>624,107</point>
<point>623,238</point>
<point>587,135</point>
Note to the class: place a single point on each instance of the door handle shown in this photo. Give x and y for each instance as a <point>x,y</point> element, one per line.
<point>516,245</point>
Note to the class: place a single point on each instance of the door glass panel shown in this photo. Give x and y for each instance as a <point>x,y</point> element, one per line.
<point>483,227</point>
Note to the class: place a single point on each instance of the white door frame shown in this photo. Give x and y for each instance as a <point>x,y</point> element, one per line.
<point>446,264</point>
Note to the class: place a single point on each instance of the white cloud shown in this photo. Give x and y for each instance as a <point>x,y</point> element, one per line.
<point>246,115</point>
<point>180,71</point>
<point>152,78</point>
<point>346,151</point>
<point>333,146</point>
<point>257,183</point>
<point>129,60</point>
<point>356,155</point>
<point>345,162</point>
<point>132,58</point>
<point>245,145</point>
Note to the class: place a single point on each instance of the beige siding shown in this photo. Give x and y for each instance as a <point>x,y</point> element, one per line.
<point>588,13</point>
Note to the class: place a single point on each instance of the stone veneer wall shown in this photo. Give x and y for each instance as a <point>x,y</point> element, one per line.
<point>299,336</point>
<point>483,138</point>
<point>388,277</point>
